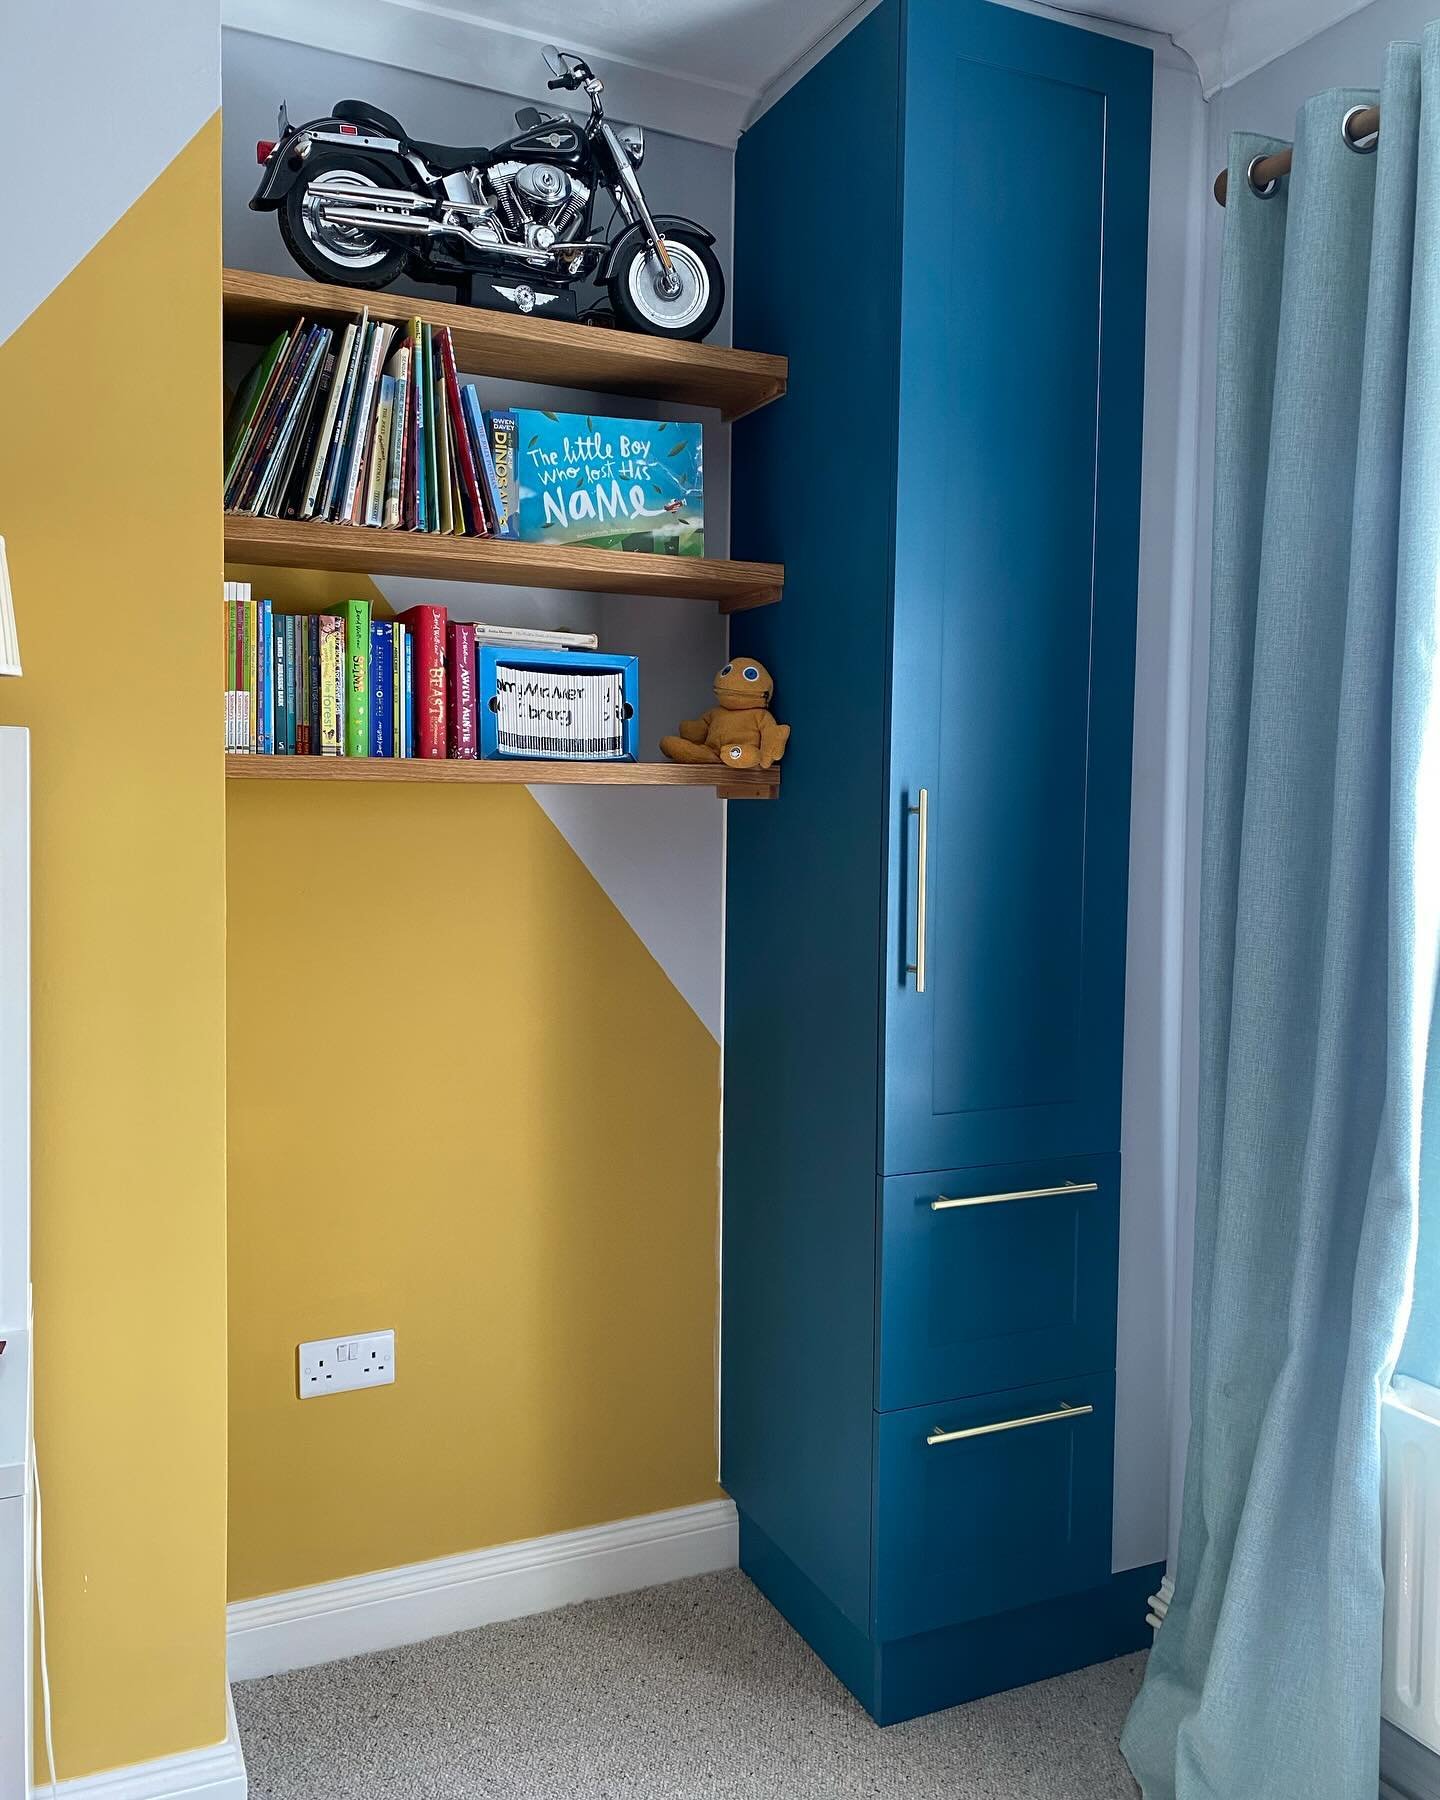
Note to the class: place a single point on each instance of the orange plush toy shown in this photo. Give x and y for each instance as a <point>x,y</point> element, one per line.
<point>739,730</point>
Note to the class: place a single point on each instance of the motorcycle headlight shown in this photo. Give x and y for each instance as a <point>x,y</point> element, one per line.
<point>633,138</point>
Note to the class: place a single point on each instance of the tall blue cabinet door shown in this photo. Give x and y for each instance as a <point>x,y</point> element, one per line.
<point>1026,148</point>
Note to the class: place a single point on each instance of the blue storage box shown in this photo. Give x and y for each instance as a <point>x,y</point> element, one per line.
<point>558,705</point>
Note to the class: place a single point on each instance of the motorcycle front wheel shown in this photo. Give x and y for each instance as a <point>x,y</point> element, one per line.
<point>325,248</point>
<point>686,307</point>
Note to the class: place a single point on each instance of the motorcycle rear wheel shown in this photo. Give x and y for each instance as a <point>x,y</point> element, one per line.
<point>348,255</point>
<point>640,302</point>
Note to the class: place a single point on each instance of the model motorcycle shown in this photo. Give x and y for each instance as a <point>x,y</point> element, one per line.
<point>361,202</point>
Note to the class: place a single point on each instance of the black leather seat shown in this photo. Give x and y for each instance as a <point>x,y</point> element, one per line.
<point>443,158</point>
<point>446,158</point>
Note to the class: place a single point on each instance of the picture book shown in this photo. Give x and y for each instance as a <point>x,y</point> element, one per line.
<point>382,684</point>
<point>502,445</point>
<point>612,484</point>
<point>426,625</point>
<point>355,615</point>
<point>463,742</point>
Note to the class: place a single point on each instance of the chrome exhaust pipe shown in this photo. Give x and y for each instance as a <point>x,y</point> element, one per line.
<point>408,224</point>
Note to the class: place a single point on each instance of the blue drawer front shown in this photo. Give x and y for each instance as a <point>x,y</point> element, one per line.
<point>1010,1291</point>
<point>984,1524</point>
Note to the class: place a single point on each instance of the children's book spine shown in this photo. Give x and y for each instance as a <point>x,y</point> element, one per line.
<point>252,693</point>
<point>292,711</point>
<point>241,460</point>
<point>504,434</point>
<point>269,433</point>
<point>298,485</point>
<point>380,454</point>
<point>470,476</point>
<point>228,685</point>
<point>399,436</point>
<point>302,687</point>
<point>366,433</point>
<point>460,668</point>
<point>355,615</point>
<point>432,432</point>
<point>280,665</point>
<point>351,425</point>
<point>478,433</point>
<point>397,687</point>
<point>407,691</point>
<point>277,464</point>
<point>332,681</point>
<point>420,498</point>
<point>336,460</point>
<point>382,698</point>
<point>312,660</point>
<point>427,628</point>
<point>325,439</point>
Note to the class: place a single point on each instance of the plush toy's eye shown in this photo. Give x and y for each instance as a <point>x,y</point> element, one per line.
<point>751,674</point>
<point>727,669</point>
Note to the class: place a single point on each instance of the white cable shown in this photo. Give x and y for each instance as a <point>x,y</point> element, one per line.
<point>40,1615</point>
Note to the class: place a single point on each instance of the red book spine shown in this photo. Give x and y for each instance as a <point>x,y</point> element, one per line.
<point>427,625</point>
<point>464,734</point>
<point>415,406</point>
<point>469,474</point>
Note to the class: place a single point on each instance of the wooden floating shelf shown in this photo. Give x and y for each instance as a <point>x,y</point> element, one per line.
<point>373,550</point>
<point>733,784</point>
<point>524,348</point>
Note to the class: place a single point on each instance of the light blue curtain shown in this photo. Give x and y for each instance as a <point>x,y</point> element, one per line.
<point>1317,945</point>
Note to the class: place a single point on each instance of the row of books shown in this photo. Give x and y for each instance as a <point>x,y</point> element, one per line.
<point>366,426</point>
<point>343,683</point>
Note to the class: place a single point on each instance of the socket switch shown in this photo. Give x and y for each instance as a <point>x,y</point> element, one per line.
<point>337,1365</point>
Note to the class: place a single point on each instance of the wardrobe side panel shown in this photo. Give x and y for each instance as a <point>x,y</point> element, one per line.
<point>813,487</point>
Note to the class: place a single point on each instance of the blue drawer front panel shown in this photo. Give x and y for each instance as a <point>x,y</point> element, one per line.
<point>985,1524</point>
<point>983,1297</point>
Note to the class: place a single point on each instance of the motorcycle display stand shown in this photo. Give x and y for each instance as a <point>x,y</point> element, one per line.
<point>517,294</point>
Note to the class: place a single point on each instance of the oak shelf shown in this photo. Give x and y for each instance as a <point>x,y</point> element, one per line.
<point>731,784</point>
<point>374,550</point>
<point>525,348</point>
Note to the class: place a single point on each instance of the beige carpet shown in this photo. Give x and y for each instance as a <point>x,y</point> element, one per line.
<point>695,1691</point>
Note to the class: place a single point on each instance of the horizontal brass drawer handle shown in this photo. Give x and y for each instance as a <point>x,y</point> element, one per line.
<point>1065,1411</point>
<point>1067,1187</point>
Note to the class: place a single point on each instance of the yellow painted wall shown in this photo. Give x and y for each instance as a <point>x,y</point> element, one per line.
<point>465,1101</point>
<point>109,468</point>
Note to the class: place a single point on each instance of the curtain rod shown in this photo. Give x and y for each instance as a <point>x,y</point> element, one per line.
<point>1361,126</point>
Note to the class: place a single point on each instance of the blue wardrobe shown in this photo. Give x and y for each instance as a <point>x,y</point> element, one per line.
<point>943,225</point>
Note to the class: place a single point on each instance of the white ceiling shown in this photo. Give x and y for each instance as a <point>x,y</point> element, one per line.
<point>702,68</point>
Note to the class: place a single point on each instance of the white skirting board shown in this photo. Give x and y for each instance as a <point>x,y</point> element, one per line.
<point>217,1773</point>
<point>311,1625</point>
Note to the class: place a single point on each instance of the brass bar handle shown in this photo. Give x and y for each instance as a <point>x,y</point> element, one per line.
<point>1065,1411</point>
<point>1068,1187</point>
<point>922,859</point>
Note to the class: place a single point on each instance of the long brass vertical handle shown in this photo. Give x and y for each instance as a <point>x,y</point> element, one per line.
<point>917,968</point>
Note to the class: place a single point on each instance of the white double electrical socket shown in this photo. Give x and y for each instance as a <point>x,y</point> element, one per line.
<point>337,1365</point>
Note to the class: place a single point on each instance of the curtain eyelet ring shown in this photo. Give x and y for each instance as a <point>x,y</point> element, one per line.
<point>1364,146</point>
<point>1270,187</point>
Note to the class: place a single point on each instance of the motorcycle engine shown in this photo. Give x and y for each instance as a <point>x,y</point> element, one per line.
<point>543,188</point>
<point>539,204</point>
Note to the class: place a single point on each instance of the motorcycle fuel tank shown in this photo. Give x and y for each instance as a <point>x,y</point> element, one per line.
<point>553,140</point>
